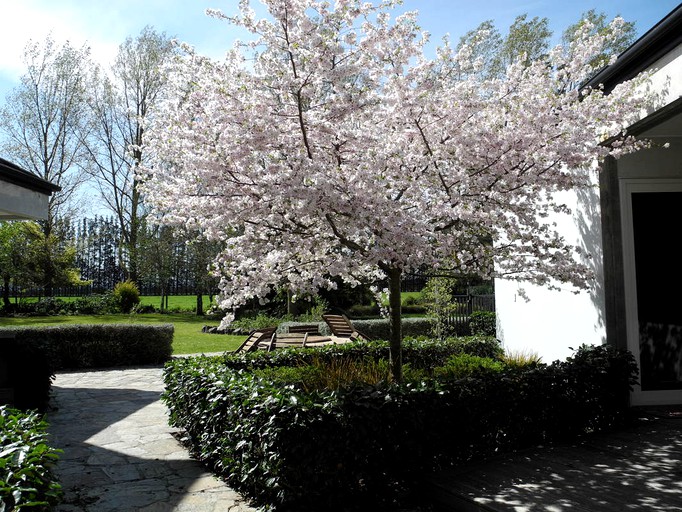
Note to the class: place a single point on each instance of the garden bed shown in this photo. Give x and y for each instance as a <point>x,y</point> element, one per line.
<point>311,429</point>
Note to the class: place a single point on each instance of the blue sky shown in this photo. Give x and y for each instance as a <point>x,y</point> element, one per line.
<point>104,24</point>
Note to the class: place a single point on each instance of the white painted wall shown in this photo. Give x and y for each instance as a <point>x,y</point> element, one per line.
<point>552,321</point>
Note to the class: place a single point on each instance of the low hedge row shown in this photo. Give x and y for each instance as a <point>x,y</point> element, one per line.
<point>378,328</point>
<point>37,352</point>
<point>417,352</point>
<point>26,461</point>
<point>346,448</point>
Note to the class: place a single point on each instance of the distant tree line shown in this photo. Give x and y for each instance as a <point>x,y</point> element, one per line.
<point>93,252</point>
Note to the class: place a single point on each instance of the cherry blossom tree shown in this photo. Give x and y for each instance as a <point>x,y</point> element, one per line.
<point>332,147</point>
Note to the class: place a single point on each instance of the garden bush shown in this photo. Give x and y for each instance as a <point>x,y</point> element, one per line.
<point>380,329</point>
<point>483,323</point>
<point>295,446</point>
<point>98,346</point>
<point>26,461</point>
<point>31,371</point>
<point>127,295</point>
<point>51,306</point>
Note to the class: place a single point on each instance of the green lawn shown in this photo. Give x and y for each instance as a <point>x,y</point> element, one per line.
<point>188,337</point>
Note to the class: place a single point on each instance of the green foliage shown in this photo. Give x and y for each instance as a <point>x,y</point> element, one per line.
<point>380,329</point>
<point>483,323</point>
<point>462,366</point>
<point>127,295</point>
<point>266,424</point>
<point>440,306</point>
<point>51,306</point>
<point>98,346</point>
<point>26,461</point>
<point>599,25</point>
<point>31,371</point>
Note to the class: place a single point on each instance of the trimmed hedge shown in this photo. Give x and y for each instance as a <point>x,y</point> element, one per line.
<point>344,449</point>
<point>37,352</point>
<point>26,460</point>
<point>380,329</point>
<point>80,346</point>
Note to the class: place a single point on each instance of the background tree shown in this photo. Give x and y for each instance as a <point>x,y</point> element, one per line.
<point>18,249</point>
<point>335,153</point>
<point>42,121</point>
<point>484,43</point>
<point>159,244</point>
<point>594,23</point>
<point>526,39</point>
<point>199,257</point>
<point>120,102</point>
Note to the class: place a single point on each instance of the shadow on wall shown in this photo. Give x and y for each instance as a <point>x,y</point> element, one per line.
<point>588,220</point>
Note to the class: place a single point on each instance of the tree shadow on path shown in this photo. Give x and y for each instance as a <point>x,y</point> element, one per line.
<point>637,469</point>
<point>120,453</point>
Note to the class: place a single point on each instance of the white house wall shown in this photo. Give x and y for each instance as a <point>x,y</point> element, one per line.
<point>552,323</point>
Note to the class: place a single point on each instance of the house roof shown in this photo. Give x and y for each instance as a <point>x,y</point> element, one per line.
<point>12,173</point>
<point>654,44</point>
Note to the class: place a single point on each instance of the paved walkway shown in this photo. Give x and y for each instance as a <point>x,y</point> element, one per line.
<point>119,452</point>
<point>638,469</point>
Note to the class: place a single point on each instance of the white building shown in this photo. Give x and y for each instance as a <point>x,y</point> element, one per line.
<point>23,195</point>
<point>631,224</point>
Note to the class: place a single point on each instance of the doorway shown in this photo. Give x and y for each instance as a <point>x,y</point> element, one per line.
<point>652,262</point>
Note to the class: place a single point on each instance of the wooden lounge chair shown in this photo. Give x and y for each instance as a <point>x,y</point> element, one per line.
<point>342,327</point>
<point>255,338</point>
<point>297,339</point>
<point>311,329</point>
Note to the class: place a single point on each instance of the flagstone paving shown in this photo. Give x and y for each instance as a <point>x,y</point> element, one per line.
<point>637,469</point>
<point>120,453</point>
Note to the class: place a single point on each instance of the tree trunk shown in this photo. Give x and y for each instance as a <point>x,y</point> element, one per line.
<point>395,343</point>
<point>5,292</point>
<point>200,304</point>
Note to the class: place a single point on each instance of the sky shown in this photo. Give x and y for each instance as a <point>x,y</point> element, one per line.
<point>104,24</point>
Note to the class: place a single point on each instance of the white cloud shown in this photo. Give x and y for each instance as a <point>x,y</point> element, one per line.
<point>78,22</point>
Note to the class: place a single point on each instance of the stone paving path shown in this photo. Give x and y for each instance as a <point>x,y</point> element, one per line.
<point>638,469</point>
<point>119,452</point>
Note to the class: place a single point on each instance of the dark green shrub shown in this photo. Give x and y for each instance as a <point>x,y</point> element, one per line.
<point>26,461</point>
<point>380,329</point>
<point>127,295</point>
<point>87,305</point>
<point>31,371</point>
<point>462,366</point>
<point>358,445</point>
<point>363,311</point>
<point>94,305</point>
<point>483,323</point>
<point>98,346</point>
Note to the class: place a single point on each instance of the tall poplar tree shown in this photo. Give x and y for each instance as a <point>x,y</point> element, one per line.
<point>121,99</point>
